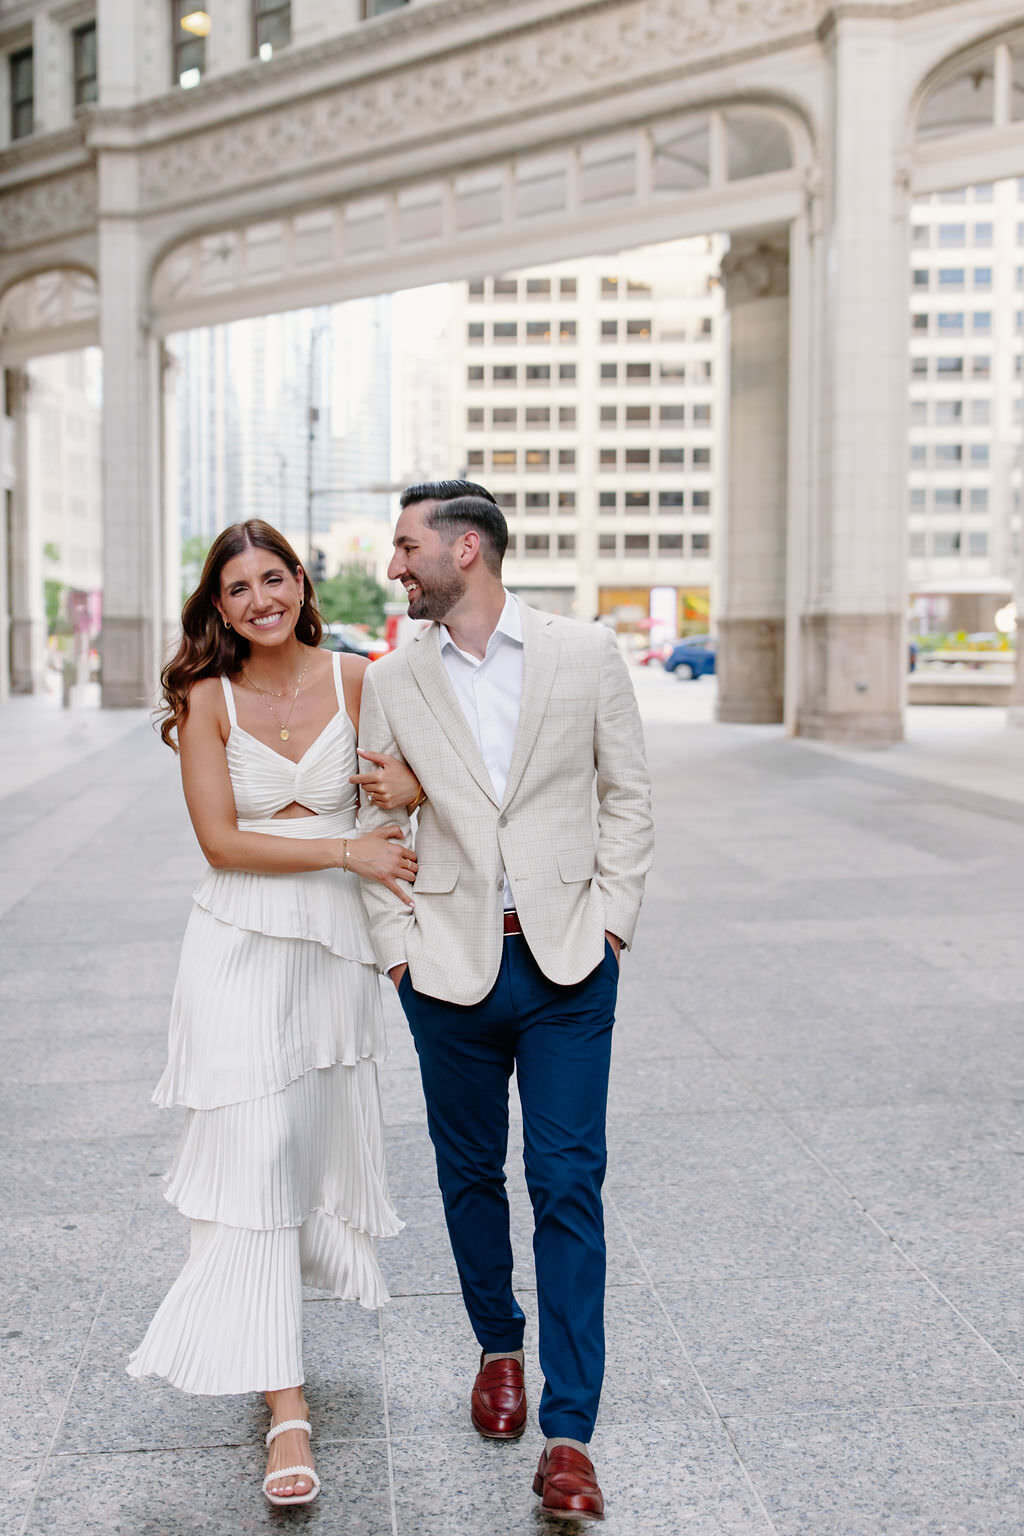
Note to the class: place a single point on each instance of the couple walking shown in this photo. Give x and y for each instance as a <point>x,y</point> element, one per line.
<point>515,736</point>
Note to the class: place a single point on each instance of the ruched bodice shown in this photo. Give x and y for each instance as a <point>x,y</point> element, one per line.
<point>265,781</point>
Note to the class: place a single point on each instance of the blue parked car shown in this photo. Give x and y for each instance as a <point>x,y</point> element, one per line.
<point>692,657</point>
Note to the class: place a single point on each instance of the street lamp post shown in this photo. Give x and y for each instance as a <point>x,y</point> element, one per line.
<point>312,417</point>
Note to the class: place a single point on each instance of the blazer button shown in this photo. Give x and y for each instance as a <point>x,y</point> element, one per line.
<point>502,821</point>
<point>501,883</point>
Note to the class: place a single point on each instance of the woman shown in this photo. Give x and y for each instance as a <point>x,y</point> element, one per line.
<point>276,1024</point>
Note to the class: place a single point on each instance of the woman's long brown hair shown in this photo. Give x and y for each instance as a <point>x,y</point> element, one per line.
<point>208,648</point>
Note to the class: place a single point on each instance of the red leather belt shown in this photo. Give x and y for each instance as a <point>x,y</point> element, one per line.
<point>512,923</point>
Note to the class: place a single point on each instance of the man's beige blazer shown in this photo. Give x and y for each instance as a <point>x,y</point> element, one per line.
<point>573,830</point>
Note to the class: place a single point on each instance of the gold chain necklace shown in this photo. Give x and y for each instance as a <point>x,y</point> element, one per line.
<point>270,693</point>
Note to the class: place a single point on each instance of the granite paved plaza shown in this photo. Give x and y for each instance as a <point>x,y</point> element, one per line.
<point>815,1199</point>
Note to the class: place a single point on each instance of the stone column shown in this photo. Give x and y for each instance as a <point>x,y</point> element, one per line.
<point>852,664</point>
<point>313,20</point>
<point>131,640</point>
<point>6,502</point>
<point>752,532</point>
<point>229,45</point>
<point>28,615</point>
<point>53,107</point>
<point>170,483</point>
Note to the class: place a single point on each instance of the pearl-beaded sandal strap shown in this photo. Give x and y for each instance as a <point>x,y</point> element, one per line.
<point>286,1424</point>
<point>309,1472</point>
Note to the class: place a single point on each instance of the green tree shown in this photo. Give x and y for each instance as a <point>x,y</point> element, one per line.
<point>352,597</point>
<point>193,554</point>
<point>53,593</point>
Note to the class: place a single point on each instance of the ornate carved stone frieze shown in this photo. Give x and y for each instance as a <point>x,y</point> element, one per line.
<point>560,59</point>
<point>756,269</point>
<point>48,210</point>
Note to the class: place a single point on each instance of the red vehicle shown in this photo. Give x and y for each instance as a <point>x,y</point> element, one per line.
<point>656,655</point>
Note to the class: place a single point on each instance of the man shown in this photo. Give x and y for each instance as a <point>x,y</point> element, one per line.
<point>512,719</point>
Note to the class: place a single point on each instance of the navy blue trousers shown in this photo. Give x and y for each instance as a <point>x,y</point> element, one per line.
<point>558,1040</point>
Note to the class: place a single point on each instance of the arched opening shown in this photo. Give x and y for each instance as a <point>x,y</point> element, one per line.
<point>50,466</point>
<point>729,166</point>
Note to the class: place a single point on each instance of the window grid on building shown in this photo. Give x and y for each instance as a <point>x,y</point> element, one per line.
<point>190,28</point>
<point>21,74</point>
<point>85,85</point>
<point>272,26</point>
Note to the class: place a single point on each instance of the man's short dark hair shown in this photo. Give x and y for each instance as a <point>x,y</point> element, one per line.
<point>443,490</point>
<point>450,518</point>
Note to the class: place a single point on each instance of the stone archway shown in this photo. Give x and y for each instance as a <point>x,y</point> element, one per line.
<point>51,311</point>
<point>730,166</point>
<point>41,313</point>
<point>966,116</point>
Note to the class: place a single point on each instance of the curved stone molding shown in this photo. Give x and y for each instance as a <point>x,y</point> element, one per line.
<point>647,171</point>
<point>50,312</point>
<point>969,90</point>
<point>756,269</point>
<point>49,300</point>
<point>964,121</point>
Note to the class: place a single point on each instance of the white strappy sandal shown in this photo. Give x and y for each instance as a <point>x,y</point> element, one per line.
<point>282,1500</point>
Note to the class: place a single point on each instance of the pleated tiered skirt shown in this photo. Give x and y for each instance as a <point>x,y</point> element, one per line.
<point>276,1038</point>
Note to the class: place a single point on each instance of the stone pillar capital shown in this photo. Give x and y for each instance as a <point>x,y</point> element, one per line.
<point>756,267</point>
<point>19,387</point>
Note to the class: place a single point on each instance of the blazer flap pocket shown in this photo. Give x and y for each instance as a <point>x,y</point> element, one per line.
<point>435,879</point>
<point>577,864</point>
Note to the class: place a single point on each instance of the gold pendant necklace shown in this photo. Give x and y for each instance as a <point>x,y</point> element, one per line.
<point>269,693</point>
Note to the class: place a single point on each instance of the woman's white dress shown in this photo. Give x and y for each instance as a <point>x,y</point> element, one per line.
<point>275,1039</point>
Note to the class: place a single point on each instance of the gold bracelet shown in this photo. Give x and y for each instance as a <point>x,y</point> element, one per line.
<point>344,852</point>
<point>420,798</point>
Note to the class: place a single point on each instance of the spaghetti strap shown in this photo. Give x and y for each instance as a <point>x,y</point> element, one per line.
<point>339,686</point>
<point>229,698</point>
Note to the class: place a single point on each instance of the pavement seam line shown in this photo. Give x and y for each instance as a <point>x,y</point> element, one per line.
<point>944,791</point>
<point>744,1076</point>
<point>71,849</point>
<point>50,1452</point>
<point>838,1180</point>
<point>721,1420</point>
<point>388,1449</point>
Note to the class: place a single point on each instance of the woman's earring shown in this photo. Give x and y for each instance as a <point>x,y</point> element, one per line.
<point>226,624</point>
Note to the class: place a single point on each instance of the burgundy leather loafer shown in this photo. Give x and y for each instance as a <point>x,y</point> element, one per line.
<point>498,1408</point>
<point>567,1486</point>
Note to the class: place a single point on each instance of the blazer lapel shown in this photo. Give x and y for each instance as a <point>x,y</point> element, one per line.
<point>428,668</point>
<point>540,661</point>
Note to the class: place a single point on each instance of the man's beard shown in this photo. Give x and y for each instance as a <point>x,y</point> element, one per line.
<point>440,596</point>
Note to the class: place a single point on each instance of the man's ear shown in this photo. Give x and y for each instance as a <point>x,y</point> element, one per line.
<point>470,546</point>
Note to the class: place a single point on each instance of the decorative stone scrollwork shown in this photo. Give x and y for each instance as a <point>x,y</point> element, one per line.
<point>756,269</point>
<point>60,206</point>
<point>555,60</point>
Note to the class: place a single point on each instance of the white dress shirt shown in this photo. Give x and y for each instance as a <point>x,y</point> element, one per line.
<point>489,691</point>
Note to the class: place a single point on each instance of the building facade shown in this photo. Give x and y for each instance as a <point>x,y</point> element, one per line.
<point>181,166</point>
<point>284,417</point>
<point>966,318</point>
<point>588,399</point>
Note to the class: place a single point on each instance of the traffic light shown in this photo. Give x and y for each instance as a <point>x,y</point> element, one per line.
<point>319,565</point>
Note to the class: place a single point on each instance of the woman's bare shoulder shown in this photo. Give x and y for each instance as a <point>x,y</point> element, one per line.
<point>353,668</point>
<point>206,694</point>
<point>206,706</point>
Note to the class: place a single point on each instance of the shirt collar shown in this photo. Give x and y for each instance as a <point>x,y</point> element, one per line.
<point>509,625</point>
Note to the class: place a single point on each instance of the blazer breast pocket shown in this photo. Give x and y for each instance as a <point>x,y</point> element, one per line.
<point>435,879</point>
<point>577,864</point>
